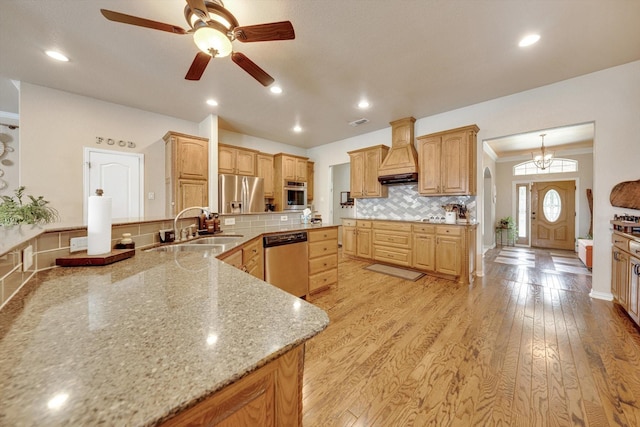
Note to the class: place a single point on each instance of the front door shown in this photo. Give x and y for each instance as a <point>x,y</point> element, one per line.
<point>553,215</point>
<point>120,176</point>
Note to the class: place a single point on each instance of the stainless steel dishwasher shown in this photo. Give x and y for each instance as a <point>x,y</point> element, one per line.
<point>286,262</point>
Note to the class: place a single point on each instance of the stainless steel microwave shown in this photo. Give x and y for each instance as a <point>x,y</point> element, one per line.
<point>294,195</point>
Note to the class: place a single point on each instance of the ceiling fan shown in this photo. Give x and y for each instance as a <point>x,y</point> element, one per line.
<point>214,28</point>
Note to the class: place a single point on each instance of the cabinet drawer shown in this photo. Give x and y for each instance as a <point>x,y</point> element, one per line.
<point>449,231</point>
<point>392,226</point>
<point>363,224</point>
<point>323,247</point>
<point>251,250</point>
<point>318,265</point>
<point>398,239</point>
<point>424,228</point>
<point>324,234</point>
<point>349,222</point>
<point>393,256</point>
<point>322,280</point>
<point>620,241</point>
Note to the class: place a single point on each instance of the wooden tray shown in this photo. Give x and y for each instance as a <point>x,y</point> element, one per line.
<point>82,259</point>
<point>626,195</point>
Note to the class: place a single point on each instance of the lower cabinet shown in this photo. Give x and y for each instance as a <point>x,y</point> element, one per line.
<point>323,258</point>
<point>248,257</point>
<point>269,396</point>
<point>448,250</point>
<point>253,258</point>
<point>424,247</point>
<point>625,273</point>
<point>392,242</point>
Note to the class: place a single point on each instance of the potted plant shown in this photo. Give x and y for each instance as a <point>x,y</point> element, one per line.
<point>14,211</point>
<point>509,224</point>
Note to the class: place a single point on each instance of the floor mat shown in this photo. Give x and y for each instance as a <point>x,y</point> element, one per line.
<point>395,271</point>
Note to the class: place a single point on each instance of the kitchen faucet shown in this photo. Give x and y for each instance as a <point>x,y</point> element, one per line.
<point>205,210</point>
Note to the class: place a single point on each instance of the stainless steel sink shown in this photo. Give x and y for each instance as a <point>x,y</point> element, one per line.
<point>216,240</point>
<point>216,245</point>
<point>216,249</point>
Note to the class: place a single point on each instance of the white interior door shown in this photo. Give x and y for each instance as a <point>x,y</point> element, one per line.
<point>120,175</point>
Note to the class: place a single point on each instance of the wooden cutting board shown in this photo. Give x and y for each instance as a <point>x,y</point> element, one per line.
<point>626,195</point>
<point>82,259</point>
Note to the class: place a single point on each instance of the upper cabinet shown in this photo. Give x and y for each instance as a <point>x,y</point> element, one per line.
<point>186,171</point>
<point>448,162</point>
<point>294,168</point>
<point>236,160</point>
<point>264,166</point>
<point>310,175</point>
<point>364,172</point>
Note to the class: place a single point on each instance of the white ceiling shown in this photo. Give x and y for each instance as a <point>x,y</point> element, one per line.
<point>407,57</point>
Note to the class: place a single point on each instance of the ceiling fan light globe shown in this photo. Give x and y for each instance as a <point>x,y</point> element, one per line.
<point>208,39</point>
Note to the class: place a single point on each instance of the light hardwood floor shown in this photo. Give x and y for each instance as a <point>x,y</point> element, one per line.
<point>523,346</point>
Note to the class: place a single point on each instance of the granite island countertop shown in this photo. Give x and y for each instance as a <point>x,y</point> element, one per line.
<point>136,342</point>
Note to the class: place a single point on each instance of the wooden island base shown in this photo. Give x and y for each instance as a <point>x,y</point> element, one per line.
<point>269,396</point>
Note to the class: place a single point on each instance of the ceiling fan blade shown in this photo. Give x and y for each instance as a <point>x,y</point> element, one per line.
<point>250,67</point>
<point>265,32</point>
<point>141,22</point>
<point>198,66</point>
<point>199,9</point>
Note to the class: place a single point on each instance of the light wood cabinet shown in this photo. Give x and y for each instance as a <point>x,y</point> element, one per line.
<point>287,167</point>
<point>349,233</point>
<point>186,171</point>
<point>310,176</point>
<point>323,258</point>
<point>392,242</point>
<point>443,250</point>
<point>424,247</point>
<point>233,258</point>
<point>447,162</point>
<point>269,396</point>
<point>449,250</point>
<point>364,172</point>
<point>248,258</point>
<point>364,241</point>
<point>264,169</point>
<point>236,160</point>
<point>625,268</point>
<point>253,258</point>
<point>292,168</point>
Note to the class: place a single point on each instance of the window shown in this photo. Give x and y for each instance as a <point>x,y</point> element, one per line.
<point>551,205</point>
<point>557,166</point>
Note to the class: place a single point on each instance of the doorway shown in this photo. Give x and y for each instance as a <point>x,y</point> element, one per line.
<point>120,176</point>
<point>553,214</point>
<point>488,234</point>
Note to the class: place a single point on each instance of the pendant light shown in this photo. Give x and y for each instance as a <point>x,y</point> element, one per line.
<point>543,159</point>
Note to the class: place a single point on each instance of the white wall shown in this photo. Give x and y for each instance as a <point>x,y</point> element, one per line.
<point>56,125</point>
<point>610,98</point>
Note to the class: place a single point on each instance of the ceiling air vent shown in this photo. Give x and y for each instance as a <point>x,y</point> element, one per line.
<point>358,122</point>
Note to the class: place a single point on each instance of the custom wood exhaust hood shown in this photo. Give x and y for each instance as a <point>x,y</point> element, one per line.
<point>401,164</point>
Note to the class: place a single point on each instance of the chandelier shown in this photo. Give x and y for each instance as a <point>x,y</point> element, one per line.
<point>543,159</point>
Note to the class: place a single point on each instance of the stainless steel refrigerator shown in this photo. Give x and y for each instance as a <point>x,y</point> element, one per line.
<point>240,194</point>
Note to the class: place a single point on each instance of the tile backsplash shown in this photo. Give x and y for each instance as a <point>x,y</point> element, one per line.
<point>405,203</point>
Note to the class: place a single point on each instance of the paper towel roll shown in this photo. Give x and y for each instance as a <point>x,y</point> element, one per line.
<point>99,225</point>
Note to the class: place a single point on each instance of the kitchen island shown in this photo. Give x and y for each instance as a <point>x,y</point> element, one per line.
<point>139,341</point>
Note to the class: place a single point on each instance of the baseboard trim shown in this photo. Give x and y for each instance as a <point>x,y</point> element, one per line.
<point>607,296</point>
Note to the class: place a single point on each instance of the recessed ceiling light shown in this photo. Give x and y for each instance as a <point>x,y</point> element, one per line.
<point>275,89</point>
<point>57,56</point>
<point>529,40</point>
<point>297,129</point>
<point>212,102</point>
<point>363,104</point>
